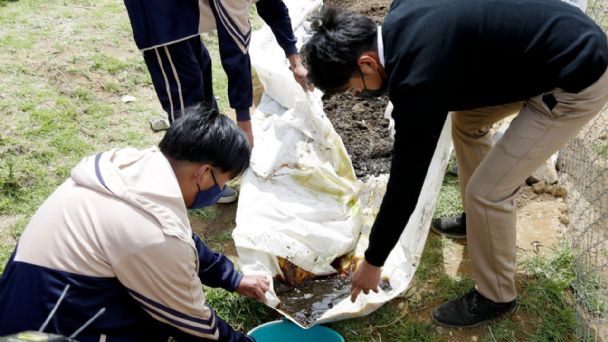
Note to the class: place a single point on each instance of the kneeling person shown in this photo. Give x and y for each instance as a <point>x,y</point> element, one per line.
<point>117,232</point>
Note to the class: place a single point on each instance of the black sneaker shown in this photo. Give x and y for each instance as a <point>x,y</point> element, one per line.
<point>454,227</point>
<point>470,311</point>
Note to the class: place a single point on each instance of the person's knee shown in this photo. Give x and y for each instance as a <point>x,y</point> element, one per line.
<point>479,193</point>
<point>473,193</point>
<point>462,125</point>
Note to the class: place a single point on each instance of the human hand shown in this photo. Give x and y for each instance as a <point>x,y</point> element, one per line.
<point>246,127</point>
<point>300,73</point>
<point>254,287</point>
<point>365,278</point>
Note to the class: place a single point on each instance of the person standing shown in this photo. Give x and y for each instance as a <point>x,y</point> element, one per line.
<point>481,60</point>
<point>168,34</point>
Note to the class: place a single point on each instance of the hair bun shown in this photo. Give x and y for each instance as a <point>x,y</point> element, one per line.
<point>327,19</point>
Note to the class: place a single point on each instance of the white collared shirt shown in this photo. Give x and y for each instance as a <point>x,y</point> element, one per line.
<point>380,46</point>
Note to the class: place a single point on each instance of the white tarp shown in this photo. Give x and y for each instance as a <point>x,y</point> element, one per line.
<point>300,200</point>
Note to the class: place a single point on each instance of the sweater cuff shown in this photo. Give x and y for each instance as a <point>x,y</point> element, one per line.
<point>242,114</point>
<point>290,50</point>
<point>235,281</point>
<point>374,260</point>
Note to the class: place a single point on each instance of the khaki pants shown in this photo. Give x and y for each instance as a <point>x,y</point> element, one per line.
<point>490,177</point>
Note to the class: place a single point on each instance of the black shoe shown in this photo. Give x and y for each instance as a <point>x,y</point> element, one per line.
<point>470,311</point>
<point>454,227</point>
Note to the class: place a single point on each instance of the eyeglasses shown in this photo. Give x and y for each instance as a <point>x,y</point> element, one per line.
<point>362,79</point>
<point>213,176</point>
<point>214,181</point>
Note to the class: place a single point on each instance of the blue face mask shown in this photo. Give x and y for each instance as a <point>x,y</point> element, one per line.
<point>370,94</point>
<point>207,197</point>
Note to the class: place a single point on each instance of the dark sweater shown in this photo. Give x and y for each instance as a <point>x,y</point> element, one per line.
<point>446,55</point>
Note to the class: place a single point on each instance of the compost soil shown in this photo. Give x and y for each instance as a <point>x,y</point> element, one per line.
<point>361,123</point>
<point>364,131</point>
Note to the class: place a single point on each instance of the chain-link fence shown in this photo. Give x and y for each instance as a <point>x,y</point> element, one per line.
<point>585,166</point>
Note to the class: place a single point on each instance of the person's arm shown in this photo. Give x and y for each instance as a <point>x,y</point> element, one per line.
<point>415,142</point>
<point>215,269</point>
<point>163,279</point>
<point>276,15</point>
<point>416,137</point>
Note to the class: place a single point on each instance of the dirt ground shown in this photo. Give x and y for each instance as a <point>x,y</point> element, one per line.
<point>375,9</point>
<point>364,131</point>
<point>361,123</point>
<point>540,227</point>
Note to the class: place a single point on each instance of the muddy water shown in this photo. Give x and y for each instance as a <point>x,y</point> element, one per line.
<point>310,300</point>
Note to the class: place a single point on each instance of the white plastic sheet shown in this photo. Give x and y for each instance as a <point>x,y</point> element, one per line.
<point>301,201</point>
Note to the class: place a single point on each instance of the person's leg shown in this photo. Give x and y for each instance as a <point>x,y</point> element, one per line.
<point>176,75</point>
<point>225,333</point>
<point>472,138</point>
<point>544,125</point>
<point>205,66</point>
<point>229,194</point>
<point>534,135</point>
<point>472,142</point>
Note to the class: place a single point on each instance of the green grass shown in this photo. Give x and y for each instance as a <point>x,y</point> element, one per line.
<point>65,66</point>
<point>205,214</point>
<point>588,290</point>
<point>502,330</point>
<point>596,9</point>
<point>55,107</point>
<point>389,323</point>
<point>546,296</point>
<point>449,203</point>
<point>450,288</point>
<point>240,312</point>
<point>224,236</point>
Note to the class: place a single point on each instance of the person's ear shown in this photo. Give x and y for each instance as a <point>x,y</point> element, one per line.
<point>200,171</point>
<point>367,63</point>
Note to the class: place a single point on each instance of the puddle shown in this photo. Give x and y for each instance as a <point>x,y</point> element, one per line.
<point>306,299</point>
<point>311,299</point>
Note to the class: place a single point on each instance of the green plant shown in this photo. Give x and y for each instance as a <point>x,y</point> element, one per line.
<point>546,295</point>
<point>205,214</point>
<point>449,202</point>
<point>389,323</point>
<point>240,312</point>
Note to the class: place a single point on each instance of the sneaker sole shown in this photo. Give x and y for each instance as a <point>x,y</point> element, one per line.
<point>451,236</point>
<point>473,325</point>
<point>228,199</point>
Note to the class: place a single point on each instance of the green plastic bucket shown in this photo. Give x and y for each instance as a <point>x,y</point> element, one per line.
<point>284,330</point>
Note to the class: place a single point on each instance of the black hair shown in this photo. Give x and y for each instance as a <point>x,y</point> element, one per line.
<point>339,38</point>
<point>203,135</point>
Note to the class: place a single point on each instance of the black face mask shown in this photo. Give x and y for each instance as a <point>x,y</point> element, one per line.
<point>370,94</point>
